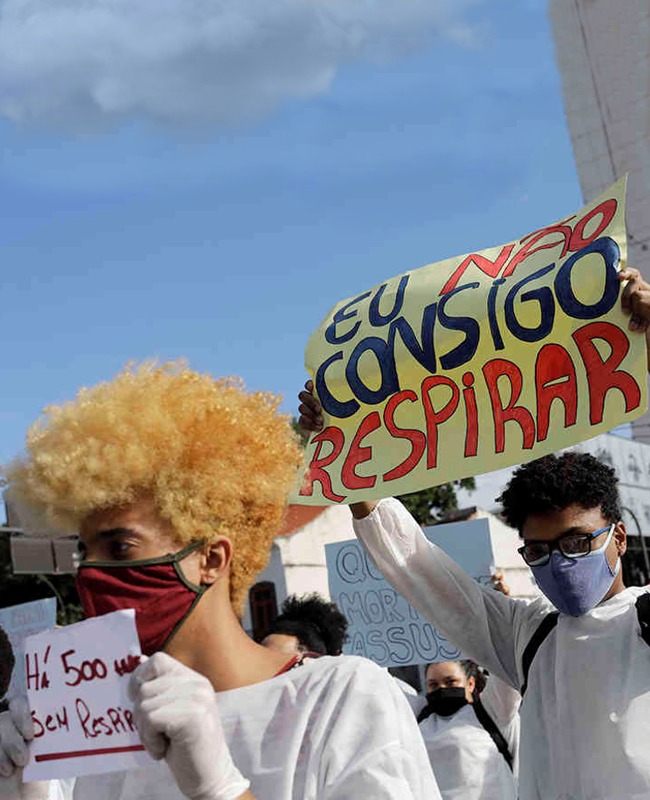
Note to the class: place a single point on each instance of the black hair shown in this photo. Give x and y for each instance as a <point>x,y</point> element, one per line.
<point>553,483</point>
<point>318,625</point>
<point>471,670</point>
<point>7,661</point>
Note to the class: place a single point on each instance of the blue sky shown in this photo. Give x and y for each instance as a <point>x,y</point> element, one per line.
<point>228,245</point>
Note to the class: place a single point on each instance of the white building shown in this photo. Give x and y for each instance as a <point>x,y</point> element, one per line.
<point>603,53</point>
<point>298,565</point>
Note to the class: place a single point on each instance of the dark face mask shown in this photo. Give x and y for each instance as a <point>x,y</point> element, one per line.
<point>446,700</point>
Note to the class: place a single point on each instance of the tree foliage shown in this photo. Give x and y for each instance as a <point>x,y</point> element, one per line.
<point>428,505</point>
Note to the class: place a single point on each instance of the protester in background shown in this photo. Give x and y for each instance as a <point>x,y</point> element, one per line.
<point>470,732</point>
<point>308,624</point>
<point>7,661</point>
<point>581,658</point>
<point>178,484</point>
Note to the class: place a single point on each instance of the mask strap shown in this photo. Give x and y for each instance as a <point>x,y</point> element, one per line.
<point>604,547</point>
<point>607,541</point>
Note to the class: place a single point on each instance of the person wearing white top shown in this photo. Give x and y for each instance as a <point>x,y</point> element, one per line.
<point>579,656</point>
<point>335,727</point>
<point>470,732</point>
<point>177,484</point>
<point>585,715</point>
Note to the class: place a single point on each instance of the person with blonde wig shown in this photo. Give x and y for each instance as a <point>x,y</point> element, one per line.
<point>177,485</point>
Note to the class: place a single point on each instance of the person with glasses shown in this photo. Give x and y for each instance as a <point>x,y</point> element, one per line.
<point>579,654</point>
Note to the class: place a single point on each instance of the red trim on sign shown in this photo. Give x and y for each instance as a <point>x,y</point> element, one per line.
<point>104,751</point>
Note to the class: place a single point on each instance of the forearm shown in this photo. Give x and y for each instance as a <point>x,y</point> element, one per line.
<point>501,700</point>
<point>478,621</point>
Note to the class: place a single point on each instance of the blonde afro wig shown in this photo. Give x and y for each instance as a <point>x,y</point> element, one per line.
<point>216,460</point>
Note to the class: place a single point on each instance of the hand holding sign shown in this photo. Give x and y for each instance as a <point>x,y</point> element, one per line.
<point>178,719</point>
<point>478,362</point>
<point>16,731</point>
<point>77,685</point>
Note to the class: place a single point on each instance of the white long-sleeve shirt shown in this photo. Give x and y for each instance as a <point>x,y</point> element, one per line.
<point>333,729</point>
<point>585,718</point>
<point>465,759</point>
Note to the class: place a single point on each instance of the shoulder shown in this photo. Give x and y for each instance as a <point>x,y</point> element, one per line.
<point>634,592</point>
<point>343,670</point>
<point>356,682</point>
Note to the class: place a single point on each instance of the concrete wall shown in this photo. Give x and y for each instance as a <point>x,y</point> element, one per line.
<point>603,52</point>
<point>303,553</point>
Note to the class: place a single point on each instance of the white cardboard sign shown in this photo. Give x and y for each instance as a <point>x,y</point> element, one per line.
<point>19,622</point>
<point>77,680</point>
<point>383,626</point>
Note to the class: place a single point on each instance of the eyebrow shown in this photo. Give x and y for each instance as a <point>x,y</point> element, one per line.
<point>111,533</point>
<point>108,535</point>
<point>570,531</point>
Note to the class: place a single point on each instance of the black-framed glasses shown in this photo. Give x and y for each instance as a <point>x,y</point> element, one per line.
<point>571,545</point>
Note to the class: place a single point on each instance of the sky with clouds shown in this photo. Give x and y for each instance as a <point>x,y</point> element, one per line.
<point>180,180</point>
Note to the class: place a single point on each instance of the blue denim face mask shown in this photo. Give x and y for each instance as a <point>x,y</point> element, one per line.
<point>576,585</point>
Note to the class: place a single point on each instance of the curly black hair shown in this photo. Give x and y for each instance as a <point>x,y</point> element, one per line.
<point>7,662</point>
<point>318,625</point>
<point>553,483</point>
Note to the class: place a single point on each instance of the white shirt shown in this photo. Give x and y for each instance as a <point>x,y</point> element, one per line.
<point>585,718</point>
<point>465,760</point>
<point>333,729</point>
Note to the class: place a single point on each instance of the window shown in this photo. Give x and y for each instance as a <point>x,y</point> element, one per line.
<point>264,608</point>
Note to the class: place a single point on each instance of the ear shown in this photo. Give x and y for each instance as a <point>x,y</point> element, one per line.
<point>620,537</point>
<point>471,684</point>
<point>215,560</point>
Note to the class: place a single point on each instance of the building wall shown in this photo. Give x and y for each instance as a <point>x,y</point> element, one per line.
<point>298,566</point>
<point>303,553</point>
<point>603,52</point>
<point>505,541</point>
<point>274,572</point>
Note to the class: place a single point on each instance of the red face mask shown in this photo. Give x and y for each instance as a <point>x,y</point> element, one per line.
<point>156,588</point>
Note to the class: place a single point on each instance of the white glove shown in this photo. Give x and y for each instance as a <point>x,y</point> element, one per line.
<point>16,730</point>
<point>178,719</point>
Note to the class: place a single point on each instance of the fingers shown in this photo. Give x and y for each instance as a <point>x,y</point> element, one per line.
<point>14,751</point>
<point>635,299</point>
<point>154,742</point>
<point>7,766</point>
<point>21,716</point>
<point>311,411</point>
<point>145,682</point>
<point>310,403</point>
<point>164,693</point>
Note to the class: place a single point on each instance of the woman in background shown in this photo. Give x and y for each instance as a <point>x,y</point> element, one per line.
<point>470,729</point>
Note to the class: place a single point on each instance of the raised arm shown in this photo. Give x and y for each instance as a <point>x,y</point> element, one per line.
<point>481,622</point>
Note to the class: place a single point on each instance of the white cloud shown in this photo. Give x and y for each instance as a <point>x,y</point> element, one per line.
<point>85,64</point>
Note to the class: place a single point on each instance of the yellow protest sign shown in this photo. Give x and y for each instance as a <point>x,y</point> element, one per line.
<point>476,363</point>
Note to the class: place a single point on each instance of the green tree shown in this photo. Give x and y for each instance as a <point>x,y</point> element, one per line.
<point>428,505</point>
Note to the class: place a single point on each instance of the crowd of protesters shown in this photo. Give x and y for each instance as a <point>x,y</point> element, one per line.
<point>177,484</point>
